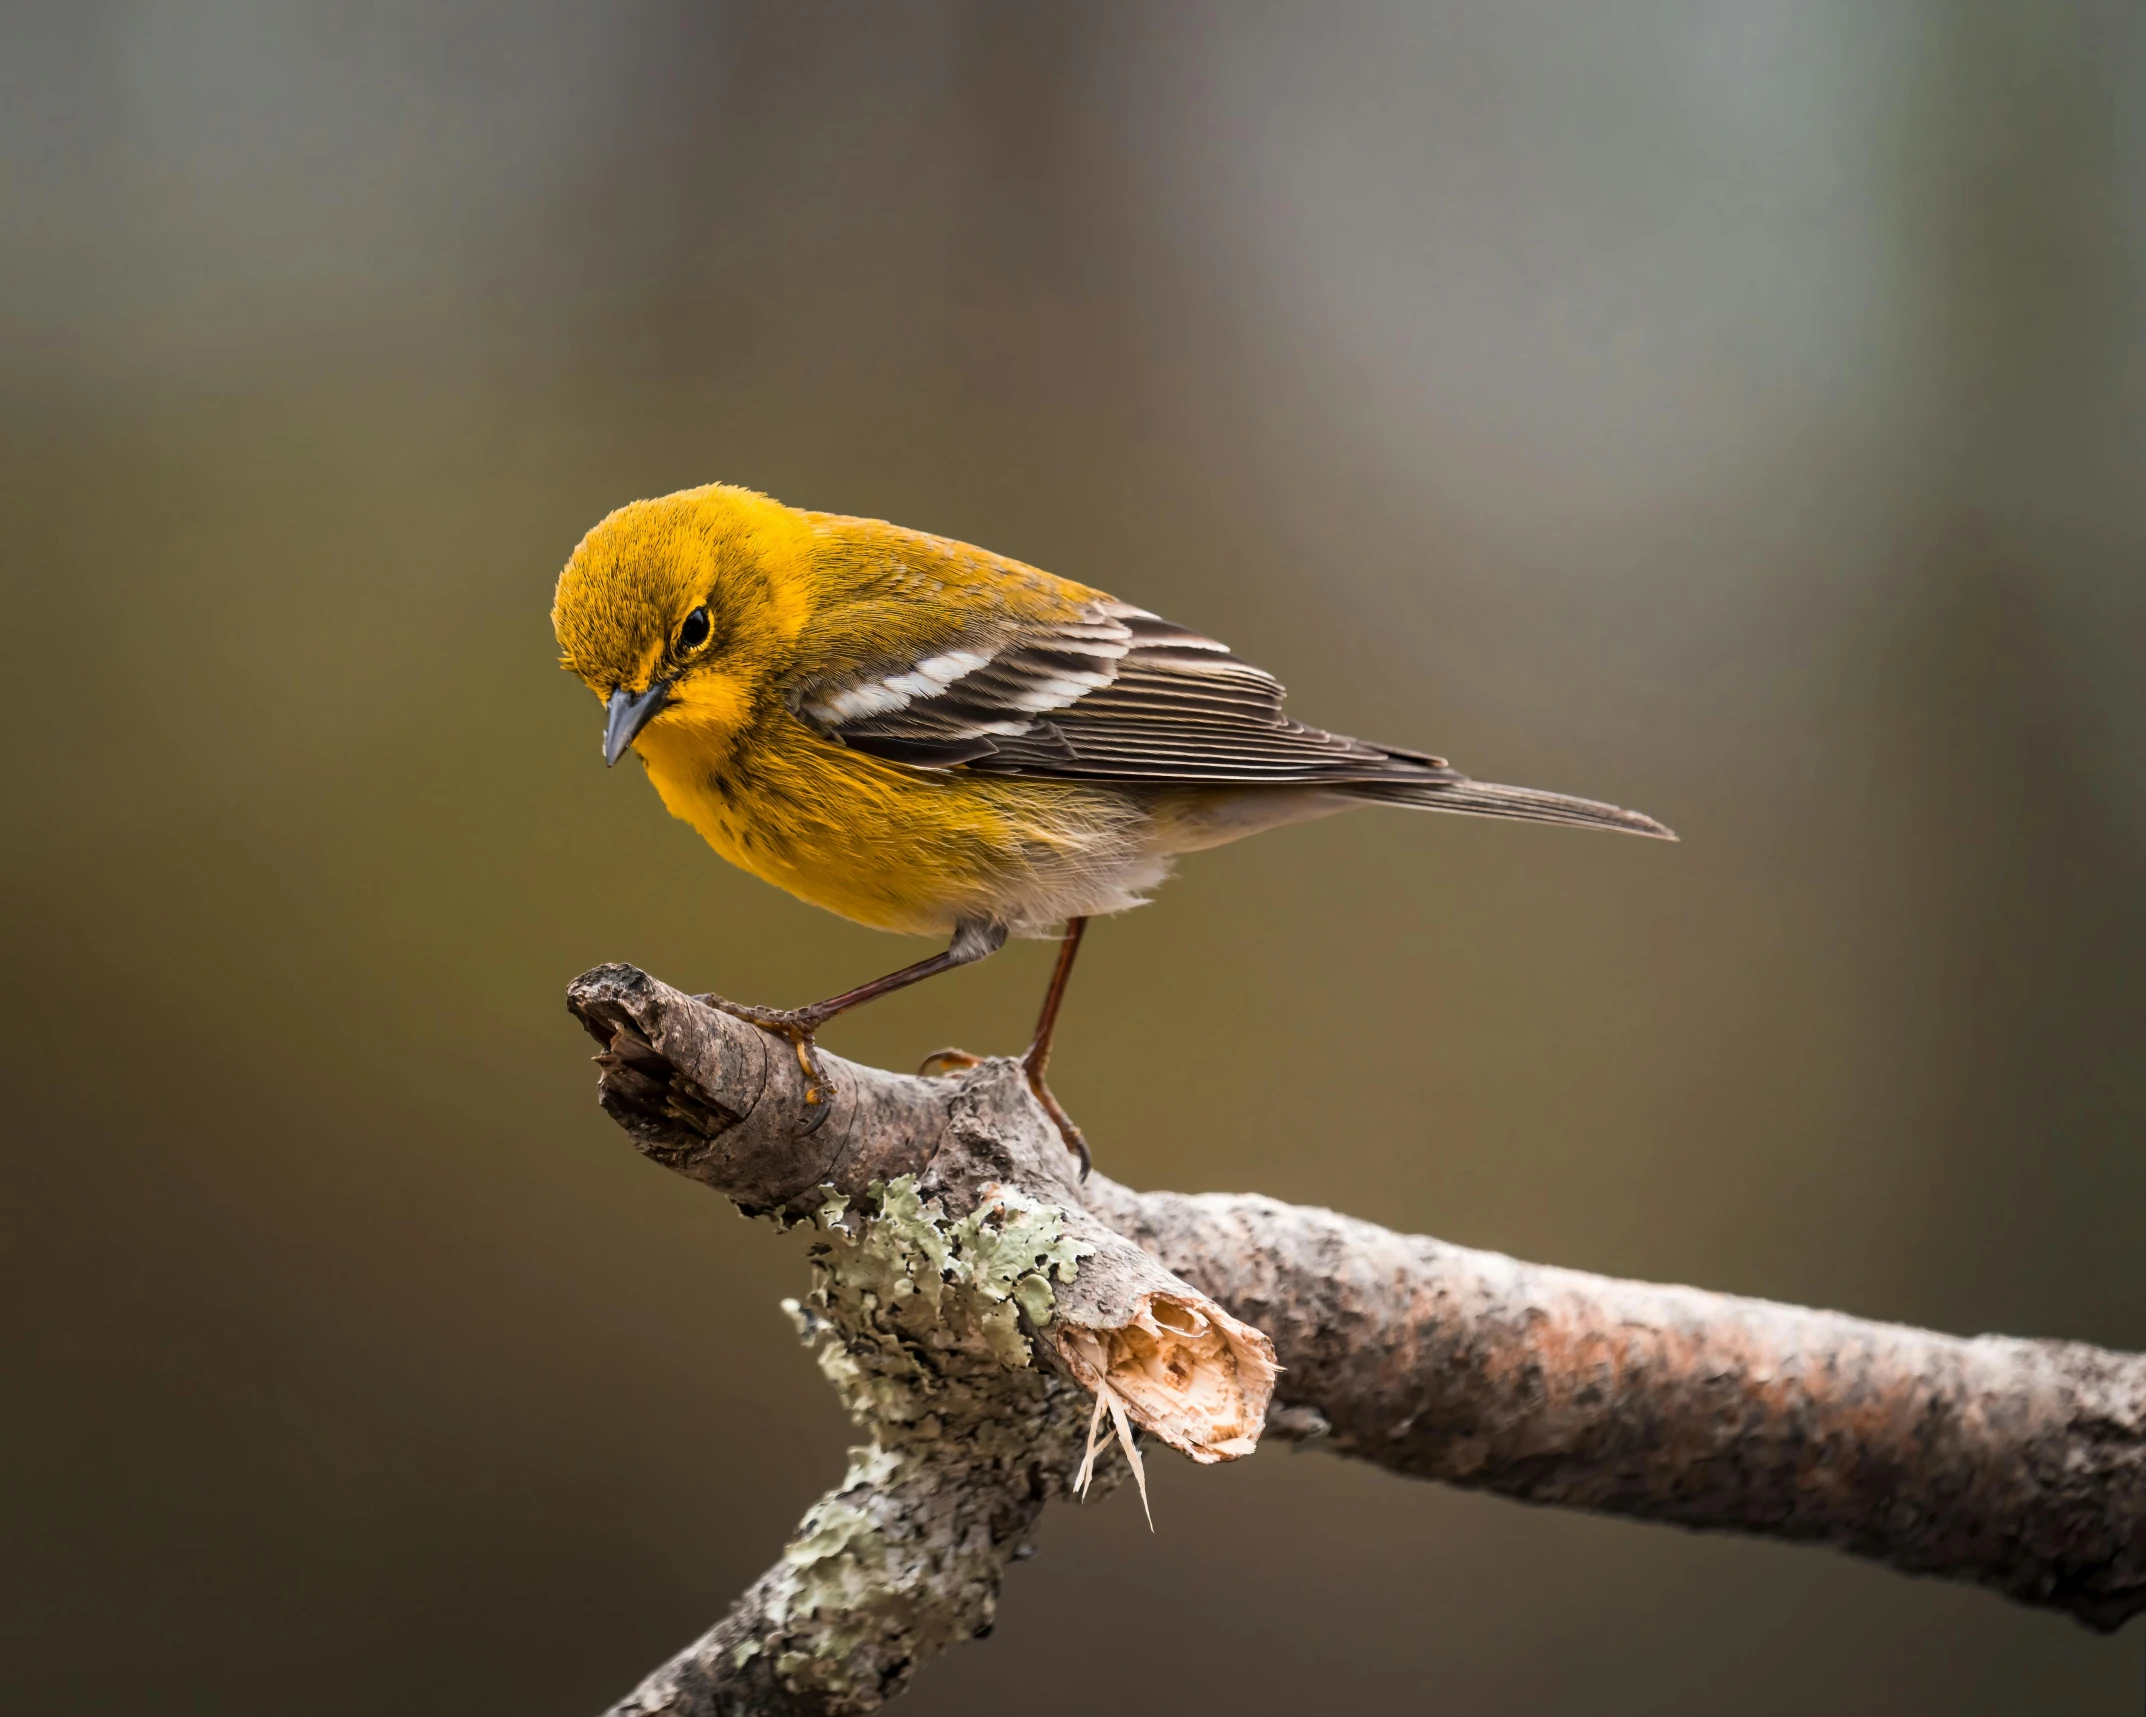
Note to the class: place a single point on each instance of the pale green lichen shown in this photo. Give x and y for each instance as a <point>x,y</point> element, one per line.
<point>922,1322</point>
<point>916,1298</point>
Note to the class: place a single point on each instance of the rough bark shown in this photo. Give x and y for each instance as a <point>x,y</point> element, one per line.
<point>2018,1465</point>
<point>983,1313</point>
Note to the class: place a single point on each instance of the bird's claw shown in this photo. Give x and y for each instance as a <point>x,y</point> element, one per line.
<point>797,1025</point>
<point>819,1089</point>
<point>941,1062</point>
<point>1075,1140</point>
<point>1072,1136</point>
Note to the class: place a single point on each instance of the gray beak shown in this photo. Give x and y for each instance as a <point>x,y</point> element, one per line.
<point>627,713</point>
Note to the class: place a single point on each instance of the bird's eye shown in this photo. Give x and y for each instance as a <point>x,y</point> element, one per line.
<point>694,633</point>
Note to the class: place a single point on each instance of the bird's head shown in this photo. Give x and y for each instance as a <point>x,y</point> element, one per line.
<point>680,612</point>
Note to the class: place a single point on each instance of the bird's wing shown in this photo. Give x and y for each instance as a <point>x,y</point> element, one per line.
<point>1093,689</point>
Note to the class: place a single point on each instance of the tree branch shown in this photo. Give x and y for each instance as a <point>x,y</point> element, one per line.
<point>985,1316</point>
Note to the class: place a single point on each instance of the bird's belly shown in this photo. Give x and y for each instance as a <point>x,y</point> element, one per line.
<point>917,851</point>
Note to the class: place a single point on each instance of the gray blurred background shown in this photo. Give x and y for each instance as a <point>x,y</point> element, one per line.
<point>1732,410</point>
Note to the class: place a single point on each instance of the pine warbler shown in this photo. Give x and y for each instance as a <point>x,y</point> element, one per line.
<point>931,738</point>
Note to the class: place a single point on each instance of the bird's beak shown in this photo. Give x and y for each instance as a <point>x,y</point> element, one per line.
<point>629,712</point>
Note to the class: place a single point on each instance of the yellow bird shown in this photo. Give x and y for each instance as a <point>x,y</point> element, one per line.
<point>930,738</point>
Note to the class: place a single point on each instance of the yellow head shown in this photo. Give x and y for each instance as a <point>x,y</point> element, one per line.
<point>678,610</point>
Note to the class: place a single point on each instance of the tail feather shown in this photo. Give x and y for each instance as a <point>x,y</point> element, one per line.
<point>1522,804</point>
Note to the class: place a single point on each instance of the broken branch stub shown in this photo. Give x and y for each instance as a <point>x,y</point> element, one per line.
<point>1185,1369</point>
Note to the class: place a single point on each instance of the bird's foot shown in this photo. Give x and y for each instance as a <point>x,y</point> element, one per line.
<point>942,1062</point>
<point>1032,1067</point>
<point>798,1026</point>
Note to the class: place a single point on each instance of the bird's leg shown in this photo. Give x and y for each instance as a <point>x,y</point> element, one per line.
<point>972,941</point>
<point>1038,1058</point>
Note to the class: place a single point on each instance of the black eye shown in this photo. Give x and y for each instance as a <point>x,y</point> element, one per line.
<point>694,633</point>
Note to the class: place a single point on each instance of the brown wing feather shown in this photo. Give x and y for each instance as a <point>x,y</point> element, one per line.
<point>1111,693</point>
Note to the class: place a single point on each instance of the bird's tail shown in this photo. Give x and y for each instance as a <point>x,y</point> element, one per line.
<point>1522,804</point>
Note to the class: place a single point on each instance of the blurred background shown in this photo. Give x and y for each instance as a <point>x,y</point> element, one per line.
<point>1731,409</point>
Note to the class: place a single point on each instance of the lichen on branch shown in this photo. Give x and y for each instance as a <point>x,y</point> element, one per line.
<point>908,1306</point>
<point>924,1324</point>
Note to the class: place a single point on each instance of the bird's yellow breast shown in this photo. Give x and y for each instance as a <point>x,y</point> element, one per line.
<point>900,849</point>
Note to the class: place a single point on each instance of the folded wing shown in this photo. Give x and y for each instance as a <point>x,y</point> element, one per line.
<point>1104,692</point>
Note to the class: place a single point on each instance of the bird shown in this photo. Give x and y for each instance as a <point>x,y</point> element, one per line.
<point>929,738</point>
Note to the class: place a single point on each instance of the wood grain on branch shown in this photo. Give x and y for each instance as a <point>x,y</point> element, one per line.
<point>2017,1465</point>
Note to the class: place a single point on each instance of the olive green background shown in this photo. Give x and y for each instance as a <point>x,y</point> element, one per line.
<point>1732,410</point>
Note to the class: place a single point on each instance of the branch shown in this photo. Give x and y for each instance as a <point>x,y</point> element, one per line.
<point>2016,1465</point>
<point>984,1317</point>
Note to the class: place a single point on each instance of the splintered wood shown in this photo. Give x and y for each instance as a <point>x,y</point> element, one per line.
<point>1181,1367</point>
